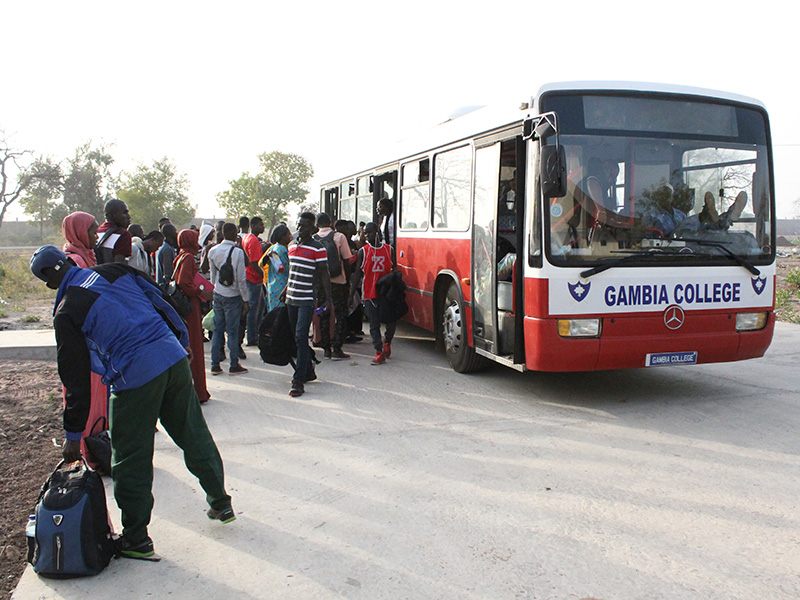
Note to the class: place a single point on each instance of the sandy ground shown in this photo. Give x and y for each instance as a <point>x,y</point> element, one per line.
<point>30,419</point>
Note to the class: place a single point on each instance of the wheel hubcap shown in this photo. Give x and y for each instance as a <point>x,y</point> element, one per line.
<point>451,327</point>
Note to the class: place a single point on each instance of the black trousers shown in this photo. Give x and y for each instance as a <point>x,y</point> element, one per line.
<point>339,295</point>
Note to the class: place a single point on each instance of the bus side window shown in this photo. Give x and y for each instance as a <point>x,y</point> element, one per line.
<point>452,175</point>
<point>364,208</point>
<point>347,200</point>
<point>415,195</point>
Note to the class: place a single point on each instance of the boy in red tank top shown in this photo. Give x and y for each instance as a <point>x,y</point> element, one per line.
<point>374,261</point>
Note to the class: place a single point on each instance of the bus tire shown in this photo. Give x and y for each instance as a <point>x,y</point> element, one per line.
<point>461,357</point>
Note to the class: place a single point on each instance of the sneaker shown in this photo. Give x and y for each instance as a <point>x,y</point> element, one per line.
<point>216,370</point>
<point>312,377</point>
<point>387,349</point>
<point>237,370</point>
<point>327,353</point>
<point>379,359</point>
<point>224,515</point>
<point>242,355</point>
<point>710,207</point>
<point>353,339</point>
<point>738,206</point>
<point>339,355</point>
<point>297,389</point>
<point>140,550</point>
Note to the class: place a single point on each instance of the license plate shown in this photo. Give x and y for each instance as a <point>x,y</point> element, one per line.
<point>664,359</point>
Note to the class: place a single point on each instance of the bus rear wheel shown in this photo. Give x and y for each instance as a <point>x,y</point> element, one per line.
<point>461,357</point>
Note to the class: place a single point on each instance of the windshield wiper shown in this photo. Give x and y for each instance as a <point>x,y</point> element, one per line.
<point>719,245</point>
<point>620,261</point>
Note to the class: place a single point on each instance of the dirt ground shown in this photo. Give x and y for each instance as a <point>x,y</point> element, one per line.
<point>30,421</point>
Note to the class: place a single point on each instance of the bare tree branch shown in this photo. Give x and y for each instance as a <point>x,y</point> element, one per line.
<point>10,161</point>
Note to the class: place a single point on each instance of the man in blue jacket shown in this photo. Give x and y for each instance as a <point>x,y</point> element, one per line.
<point>112,320</point>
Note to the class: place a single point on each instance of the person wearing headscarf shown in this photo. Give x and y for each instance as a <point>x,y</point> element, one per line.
<point>184,272</point>
<point>80,233</point>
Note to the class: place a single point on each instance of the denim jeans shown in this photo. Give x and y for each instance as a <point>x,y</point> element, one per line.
<point>226,321</point>
<point>256,312</point>
<point>300,319</point>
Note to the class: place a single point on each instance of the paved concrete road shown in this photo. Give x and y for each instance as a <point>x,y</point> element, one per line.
<point>411,481</point>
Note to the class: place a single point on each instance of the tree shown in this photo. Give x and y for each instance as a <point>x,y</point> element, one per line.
<point>152,192</point>
<point>281,180</point>
<point>309,206</point>
<point>10,187</point>
<point>40,198</point>
<point>244,197</point>
<point>88,183</point>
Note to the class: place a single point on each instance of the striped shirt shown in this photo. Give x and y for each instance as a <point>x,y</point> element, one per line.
<point>304,260</point>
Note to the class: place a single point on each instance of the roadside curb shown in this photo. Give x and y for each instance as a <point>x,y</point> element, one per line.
<point>28,344</point>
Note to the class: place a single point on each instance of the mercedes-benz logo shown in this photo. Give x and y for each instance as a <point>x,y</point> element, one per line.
<point>673,317</point>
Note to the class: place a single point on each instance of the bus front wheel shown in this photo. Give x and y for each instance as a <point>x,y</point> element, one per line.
<point>461,357</point>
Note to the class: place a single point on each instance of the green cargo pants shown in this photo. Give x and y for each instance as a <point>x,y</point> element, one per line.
<point>133,415</point>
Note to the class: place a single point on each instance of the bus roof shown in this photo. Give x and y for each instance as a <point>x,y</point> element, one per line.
<point>496,117</point>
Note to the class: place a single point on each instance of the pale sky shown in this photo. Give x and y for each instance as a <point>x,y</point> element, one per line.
<point>212,85</point>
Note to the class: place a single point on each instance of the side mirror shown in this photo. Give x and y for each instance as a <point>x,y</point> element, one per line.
<point>553,171</point>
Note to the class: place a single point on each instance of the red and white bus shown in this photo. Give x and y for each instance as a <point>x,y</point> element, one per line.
<point>600,226</point>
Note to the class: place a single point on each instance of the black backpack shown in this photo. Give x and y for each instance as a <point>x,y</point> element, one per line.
<point>73,537</point>
<point>226,274</point>
<point>334,261</point>
<point>102,254</point>
<point>276,338</point>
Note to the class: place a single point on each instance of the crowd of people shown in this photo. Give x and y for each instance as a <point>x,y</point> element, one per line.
<point>127,357</point>
<point>267,273</point>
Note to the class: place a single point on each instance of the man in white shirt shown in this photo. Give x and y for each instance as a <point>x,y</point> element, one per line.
<point>230,301</point>
<point>386,213</point>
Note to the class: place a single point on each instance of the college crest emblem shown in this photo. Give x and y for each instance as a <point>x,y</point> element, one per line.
<point>759,284</point>
<point>579,290</point>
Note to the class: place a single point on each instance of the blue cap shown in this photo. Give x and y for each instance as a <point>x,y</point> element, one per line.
<point>44,257</point>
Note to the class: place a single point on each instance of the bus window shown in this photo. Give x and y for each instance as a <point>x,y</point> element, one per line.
<point>347,202</point>
<point>415,195</point>
<point>348,189</point>
<point>386,184</point>
<point>347,209</point>
<point>640,181</point>
<point>364,208</point>
<point>451,182</point>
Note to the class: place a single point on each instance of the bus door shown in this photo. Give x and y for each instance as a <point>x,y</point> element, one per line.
<point>330,202</point>
<point>385,186</point>
<point>496,241</point>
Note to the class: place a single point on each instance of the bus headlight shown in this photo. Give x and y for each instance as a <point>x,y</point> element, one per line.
<point>579,328</point>
<point>751,321</point>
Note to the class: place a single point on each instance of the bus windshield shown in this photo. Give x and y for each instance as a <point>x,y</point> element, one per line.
<point>668,179</point>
